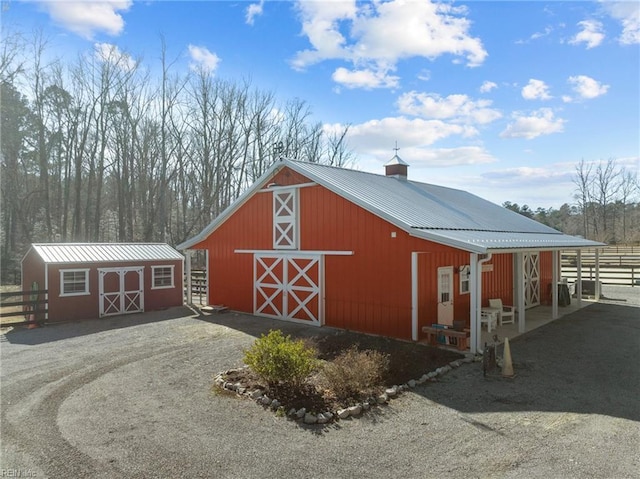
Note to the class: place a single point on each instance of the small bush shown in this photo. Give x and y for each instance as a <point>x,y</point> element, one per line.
<point>354,374</point>
<point>280,360</point>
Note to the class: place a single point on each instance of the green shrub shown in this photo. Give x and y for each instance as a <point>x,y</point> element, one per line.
<point>280,360</point>
<point>354,374</point>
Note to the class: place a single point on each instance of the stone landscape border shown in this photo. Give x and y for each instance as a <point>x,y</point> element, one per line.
<point>308,417</point>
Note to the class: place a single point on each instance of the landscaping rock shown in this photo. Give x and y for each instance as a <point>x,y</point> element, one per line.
<point>310,418</point>
<point>412,383</point>
<point>355,410</point>
<point>366,406</point>
<point>343,413</point>
<point>391,392</point>
<point>300,413</point>
<point>292,412</point>
<point>322,419</point>
<point>265,400</point>
<point>382,399</point>
<point>275,404</point>
<point>255,394</point>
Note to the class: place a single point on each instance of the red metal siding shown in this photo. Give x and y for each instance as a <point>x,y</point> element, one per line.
<point>369,291</point>
<point>498,283</point>
<point>546,276</point>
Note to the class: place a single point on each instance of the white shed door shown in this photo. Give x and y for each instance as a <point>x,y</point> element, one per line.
<point>287,287</point>
<point>121,290</point>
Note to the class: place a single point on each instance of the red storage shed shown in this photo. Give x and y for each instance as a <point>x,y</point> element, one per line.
<point>375,253</point>
<point>92,280</point>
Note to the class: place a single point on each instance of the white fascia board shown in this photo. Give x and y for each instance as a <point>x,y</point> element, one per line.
<point>242,199</point>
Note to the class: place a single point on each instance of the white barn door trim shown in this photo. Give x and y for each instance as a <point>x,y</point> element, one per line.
<point>121,300</point>
<point>288,287</point>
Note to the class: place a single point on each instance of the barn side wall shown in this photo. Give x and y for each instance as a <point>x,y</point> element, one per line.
<point>369,291</point>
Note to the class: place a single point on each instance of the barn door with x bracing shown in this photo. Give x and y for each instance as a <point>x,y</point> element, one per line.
<point>121,290</point>
<point>531,269</point>
<point>288,287</point>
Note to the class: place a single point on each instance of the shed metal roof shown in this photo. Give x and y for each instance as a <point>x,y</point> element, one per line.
<point>445,215</point>
<point>104,252</point>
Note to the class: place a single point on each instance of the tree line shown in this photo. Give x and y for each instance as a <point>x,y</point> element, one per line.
<point>606,206</point>
<point>99,150</point>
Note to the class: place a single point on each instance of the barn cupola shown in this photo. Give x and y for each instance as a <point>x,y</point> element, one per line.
<point>396,167</point>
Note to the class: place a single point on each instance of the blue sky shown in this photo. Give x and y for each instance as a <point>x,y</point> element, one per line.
<point>502,99</point>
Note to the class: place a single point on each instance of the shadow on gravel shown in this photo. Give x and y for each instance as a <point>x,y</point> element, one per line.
<point>584,363</point>
<point>58,331</point>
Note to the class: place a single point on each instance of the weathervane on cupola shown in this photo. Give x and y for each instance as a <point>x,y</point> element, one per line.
<point>396,167</point>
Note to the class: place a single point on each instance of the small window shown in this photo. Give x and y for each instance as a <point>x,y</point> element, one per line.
<point>162,277</point>
<point>465,279</point>
<point>74,282</point>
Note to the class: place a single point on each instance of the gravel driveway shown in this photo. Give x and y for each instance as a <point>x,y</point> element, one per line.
<point>131,397</point>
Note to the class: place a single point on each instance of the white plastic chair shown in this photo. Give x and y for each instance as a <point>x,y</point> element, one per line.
<point>506,313</point>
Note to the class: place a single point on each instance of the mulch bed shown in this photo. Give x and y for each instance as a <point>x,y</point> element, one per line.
<point>406,361</point>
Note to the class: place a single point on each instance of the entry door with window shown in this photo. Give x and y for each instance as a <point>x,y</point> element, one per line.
<point>445,295</point>
<point>121,290</point>
<point>531,269</point>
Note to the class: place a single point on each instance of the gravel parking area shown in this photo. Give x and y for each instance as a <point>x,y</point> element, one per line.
<point>132,397</point>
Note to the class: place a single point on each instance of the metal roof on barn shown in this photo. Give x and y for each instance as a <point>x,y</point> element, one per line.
<point>445,215</point>
<point>60,253</point>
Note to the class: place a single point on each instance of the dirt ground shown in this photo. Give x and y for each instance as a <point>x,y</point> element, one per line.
<point>131,397</point>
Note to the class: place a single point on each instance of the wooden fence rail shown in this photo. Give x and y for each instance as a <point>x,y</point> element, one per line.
<point>33,309</point>
<point>613,275</point>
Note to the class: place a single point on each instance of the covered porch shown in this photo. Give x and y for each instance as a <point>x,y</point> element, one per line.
<point>530,311</point>
<point>535,318</point>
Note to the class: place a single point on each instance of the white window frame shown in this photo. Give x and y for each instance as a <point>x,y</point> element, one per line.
<point>465,277</point>
<point>75,293</point>
<point>153,276</point>
<point>285,225</point>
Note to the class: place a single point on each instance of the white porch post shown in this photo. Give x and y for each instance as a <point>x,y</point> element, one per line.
<point>206,271</point>
<point>521,291</point>
<point>187,273</point>
<point>598,292</point>
<point>579,278</point>
<point>414,296</point>
<point>474,308</point>
<point>554,284</point>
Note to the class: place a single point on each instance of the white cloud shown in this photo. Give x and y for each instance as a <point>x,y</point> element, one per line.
<point>202,58</point>
<point>106,52</point>
<point>487,86</point>
<point>458,108</point>
<point>381,135</point>
<point>445,157</point>
<point>424,75</point>
<point>254,10</point>
<point>591,34</point>
<point>586,87</point>
<point>376,35</point>
<point>540,122</point>
<point>88,18</point>
<point>366,79</point>
<point>628,14</point>
<point>536,90</point>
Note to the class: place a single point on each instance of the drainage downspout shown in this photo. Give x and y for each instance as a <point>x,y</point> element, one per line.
<point>478,325</point>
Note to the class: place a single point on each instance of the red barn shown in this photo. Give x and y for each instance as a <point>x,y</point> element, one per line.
<point>375,253</point>
<point>92,280</point>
